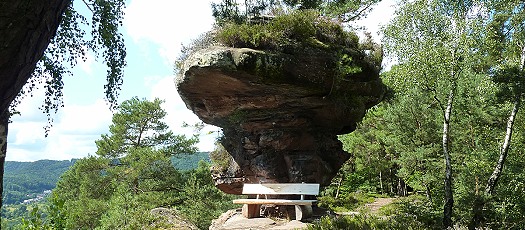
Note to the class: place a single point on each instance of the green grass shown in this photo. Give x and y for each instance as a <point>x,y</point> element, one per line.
<point>346,203</point>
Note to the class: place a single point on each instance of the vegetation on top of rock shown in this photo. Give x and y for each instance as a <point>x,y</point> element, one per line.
<point>285,31</point>
<point>289,31</point>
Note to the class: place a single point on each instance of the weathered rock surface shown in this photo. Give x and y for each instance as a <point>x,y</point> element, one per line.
<point>280,112</point>
<point>233,220</point>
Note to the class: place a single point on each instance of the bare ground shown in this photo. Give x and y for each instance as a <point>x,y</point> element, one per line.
<point>378,203</point>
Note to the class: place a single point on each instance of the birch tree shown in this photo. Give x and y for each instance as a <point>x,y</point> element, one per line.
<point>429,44</point>
<point>505,49</point>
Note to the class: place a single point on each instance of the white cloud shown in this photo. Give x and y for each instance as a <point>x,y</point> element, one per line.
<point>85,119</point>
<point>167,23</point>
<point>86,64</point>
<point>72,136</point>
<point>382,13</point>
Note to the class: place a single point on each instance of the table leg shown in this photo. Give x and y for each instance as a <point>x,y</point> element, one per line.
<point>303,212</point>
<point>251,210</point>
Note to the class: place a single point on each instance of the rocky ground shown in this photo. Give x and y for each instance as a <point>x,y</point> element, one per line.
<point>233,219</point>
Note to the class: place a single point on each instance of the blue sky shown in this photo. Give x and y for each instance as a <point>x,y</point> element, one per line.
<point>154,31</point>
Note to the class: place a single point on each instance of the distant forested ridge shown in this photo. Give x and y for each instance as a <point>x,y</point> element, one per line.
<point>189,161</point>
<point>24,180</point>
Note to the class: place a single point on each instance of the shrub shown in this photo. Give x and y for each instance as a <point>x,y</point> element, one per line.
<point>415,209</point>
<point>331,32</point>
<point>249,36</point>
<point>362,222</point>
<point>346,202</point>
<point>203,41</point>
<point>220,158</point>
<point>299,25</point>
<point>302,27</point>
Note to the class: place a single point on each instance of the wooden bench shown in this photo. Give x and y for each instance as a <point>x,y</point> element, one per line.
<point>303,208</point>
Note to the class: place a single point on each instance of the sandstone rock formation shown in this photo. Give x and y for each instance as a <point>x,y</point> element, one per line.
<point>233,220</point>
<point>280,112</point>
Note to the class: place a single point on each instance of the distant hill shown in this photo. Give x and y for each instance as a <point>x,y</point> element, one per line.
<point>189,161</point>
<point>25,180</point>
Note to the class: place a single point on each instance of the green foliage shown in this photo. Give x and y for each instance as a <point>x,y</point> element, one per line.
<point>252,36</point>
<point>345,201</point>
<point>304,4</point>
<point>106,192</point>
<point>24,180</point>
<point>52,212</point>
<point>510,82</point>
<point>72,43</point>
<point>364,221</point>
<point>138,123</point>
<point>416,209</point>
<point>346,65</point>
<point>298,27</point>
<point>202,201</point>
<point>134,189</point>
<point>348,10</point>
<point>220,158</point>
<point>401,140</point>
<point>14,215</point>
<point>227,11</point>
<point>184,162</point>
<point>344,10</point>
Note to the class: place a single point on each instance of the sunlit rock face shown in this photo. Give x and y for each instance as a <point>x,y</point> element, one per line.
<point>280,112</point>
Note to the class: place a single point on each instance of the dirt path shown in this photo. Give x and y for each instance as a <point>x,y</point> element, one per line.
<point>378,203</point>
<point>374,206</point>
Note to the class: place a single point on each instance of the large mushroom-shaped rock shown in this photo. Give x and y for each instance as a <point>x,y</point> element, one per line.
<point>280,112</point>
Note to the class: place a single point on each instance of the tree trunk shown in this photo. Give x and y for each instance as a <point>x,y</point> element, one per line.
<point>26,29</point>
<point>401,188</point>
<point>493,180</point>
<point>392,181</point>
<point>381,181</point>
<point>449,199</point>
<point>428,193</point>
<point>338,187</point>
<point>479,203</point>
<point>4,121</point>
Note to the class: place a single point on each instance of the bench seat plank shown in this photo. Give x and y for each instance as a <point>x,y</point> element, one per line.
<point>274,201</point>
<point>281,189</point>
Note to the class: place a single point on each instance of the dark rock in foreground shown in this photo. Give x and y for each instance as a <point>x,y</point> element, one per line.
<point>280,112</point>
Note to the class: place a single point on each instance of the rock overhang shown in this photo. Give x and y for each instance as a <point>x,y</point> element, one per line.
<point>280,88</point>
<point>280,112</point>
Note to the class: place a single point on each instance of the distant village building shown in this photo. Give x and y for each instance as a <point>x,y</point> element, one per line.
<point>38,197</point>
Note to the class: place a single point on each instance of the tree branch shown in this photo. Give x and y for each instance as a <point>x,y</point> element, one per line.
<point>88,6</point>
<point>359,13</point>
